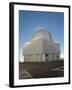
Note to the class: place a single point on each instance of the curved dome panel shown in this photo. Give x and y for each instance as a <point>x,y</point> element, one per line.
<point>42,34</point>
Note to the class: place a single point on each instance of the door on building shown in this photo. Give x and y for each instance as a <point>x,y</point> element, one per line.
<point>46,57</point>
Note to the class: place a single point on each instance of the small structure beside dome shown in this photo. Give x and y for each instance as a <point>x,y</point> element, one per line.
<point>41,48</point>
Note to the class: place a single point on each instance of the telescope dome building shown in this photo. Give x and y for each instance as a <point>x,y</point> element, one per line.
<point>41,48</point>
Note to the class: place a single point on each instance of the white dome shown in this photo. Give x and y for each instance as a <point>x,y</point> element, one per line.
<point>42,34</point>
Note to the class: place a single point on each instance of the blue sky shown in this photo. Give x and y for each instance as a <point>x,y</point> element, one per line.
<point>29,21</point>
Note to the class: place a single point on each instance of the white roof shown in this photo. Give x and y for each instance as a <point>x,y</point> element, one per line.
<point>42,34</point>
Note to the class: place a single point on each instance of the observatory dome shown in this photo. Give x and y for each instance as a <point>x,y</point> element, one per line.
<point>42,34</point>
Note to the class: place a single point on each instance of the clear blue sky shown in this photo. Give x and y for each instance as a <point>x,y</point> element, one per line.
<point>29,21</point>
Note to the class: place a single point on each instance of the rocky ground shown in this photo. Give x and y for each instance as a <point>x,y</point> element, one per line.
<point>41,69</point>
